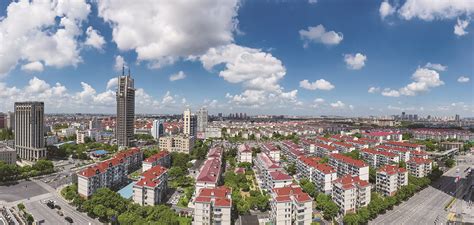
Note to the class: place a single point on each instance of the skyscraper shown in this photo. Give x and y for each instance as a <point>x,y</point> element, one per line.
<point>10,122</point>
<point>157,129</point>
<point>189,123</point>
<point>29,130</point>
<point>124,126</point>
<point>202,120</point>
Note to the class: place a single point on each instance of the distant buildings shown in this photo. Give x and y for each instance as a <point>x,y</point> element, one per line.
<point>152,186</point>
<point>29,130</point>
<point>269,172</point>
<point>157,129</point>
<point>7,154</point>
<point>10,121</point>
<point>213,206</point>
<point>110,173</point>
<point>190,123</point>
<point>290,205</point>
<point>350,193</point>
<point>202,118</point>
<point>177,143</point>
<point>125,96</point>
<point>390,178</point>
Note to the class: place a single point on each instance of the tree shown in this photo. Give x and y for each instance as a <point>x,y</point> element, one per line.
<point>353,154</point>
<point>372,175</point>
<point>149,152</point>
<point>291,169</point>
<point>450,162</point>
<point>407,136</point>
<point>330,210</point>
<point>21,206</point>
<point>364,215</point>
<point>402,164</point>
<point>180,159</point>
<point>351,219</point>
<point>43,165</point>
<point>246,165</point>
<point>308,187</point>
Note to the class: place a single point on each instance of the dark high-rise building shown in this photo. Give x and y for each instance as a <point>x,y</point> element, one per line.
<point>124,126</point>
<point>403,116</point>
<point>29,130</point>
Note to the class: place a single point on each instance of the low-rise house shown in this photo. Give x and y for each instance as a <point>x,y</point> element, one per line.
<point>244,153</point>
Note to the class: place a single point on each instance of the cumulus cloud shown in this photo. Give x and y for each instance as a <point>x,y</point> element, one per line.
<point>42,31</point>
<point>318,84</point>
<point>94,39</point>
<point>355,62</point>
<point>318,34</point>
<point>168,99</point>
<point>312,1</point>
<point>113,82</point>
<point>177,76</point>
<point>460,27</point>
<point>436,66</point>
<point>162,31</point>
<point>429,10</point>
<point>317,103</point>
<point>33,67</point>
<point>119,63</point>
<point>373,89</point>
<point>259,73</point>
<point>424,80</point>
<point>386,9</point>
<point>338,105</point>
<point>463,79</point>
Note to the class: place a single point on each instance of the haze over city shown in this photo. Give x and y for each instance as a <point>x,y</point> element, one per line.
<point>263,57</point>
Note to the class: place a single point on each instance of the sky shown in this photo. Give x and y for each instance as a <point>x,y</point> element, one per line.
<point>307,57</point>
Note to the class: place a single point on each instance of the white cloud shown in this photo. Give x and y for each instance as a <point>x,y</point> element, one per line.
<point>463,79</point>
<point>424,80</point>
<point>317,103</point>
<point>36,85</point>
<point>94,39</point>
<point>211,103</point>
<point>460,27</point>
<point>436,66</point>
<point>318,84</point>
<point>338,105</point>
<point>162,31</point>
<point>113,82</point>
<point>318,34</point>
<point>386,9</point>
<point>259,73</point>
<point>45,31</point>
<point>168,99</point>
<point>33,67</point>
<point>177,76</point>
<point>312,1</point>
<point>373,89</point>
<point>119,63</point>
<point>355,62</point>
<point>429,10</point>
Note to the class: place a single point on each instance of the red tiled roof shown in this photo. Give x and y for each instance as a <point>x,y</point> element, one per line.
<point>392,148</point>
<point>101,167</point>
<point>210,172</point>
<point>419,161</point>
<point>348,160</point>
<point>244,148</point>
<point>277,175</point>
<point>342,144</point>
<point>349,182</point>
<point>391,169</point>
<point>150,177</point>
<point>220,196</point>
<point>267,161</point>
<point>157,156</point>
<point>403,144</point>
<point>284,194</point>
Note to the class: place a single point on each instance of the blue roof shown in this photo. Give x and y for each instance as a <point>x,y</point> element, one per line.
<point>127,191</point>
<point>100,152</point>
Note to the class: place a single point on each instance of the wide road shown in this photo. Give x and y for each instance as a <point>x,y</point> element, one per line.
<point>427,206</point>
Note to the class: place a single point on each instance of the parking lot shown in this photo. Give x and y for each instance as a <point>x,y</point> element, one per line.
<point>19,191</point>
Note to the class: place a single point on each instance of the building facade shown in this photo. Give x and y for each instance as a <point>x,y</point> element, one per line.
<point>202,118</point>
<point>177,143</point>
<point>157,129</point>
<point>152,186</point>
<point>190,123</point>
<point>390,178</point>
<point>213,206</point>
<point>350,193</point>
<point>244,153</point>
<point>290,205</point>
<point>162,158</point>
<point>29,130</point>
<point>125,96</point>
<point>419,167</point>
<point>346,165</point>
<point>7,154</point>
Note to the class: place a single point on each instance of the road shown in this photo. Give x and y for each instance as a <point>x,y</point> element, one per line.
<point>427,206</point>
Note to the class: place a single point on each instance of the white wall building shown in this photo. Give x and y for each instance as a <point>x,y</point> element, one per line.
<point>350,193</point>
<point>213,206</point>
<point>152,186</point>
<point>390,178</point>
<point>290,205</point>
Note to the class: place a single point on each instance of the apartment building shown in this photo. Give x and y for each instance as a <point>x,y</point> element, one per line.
<point>382,136</point>
<point>177,143</point>
<point>279,179</point>
<point>7,154</point>
<point>409,146</point>
<point>390,178</point>
<point>152,186</point>
<point>403,153</point>
<point>290,205</point>
<point>347,165</point>
<point>350,193</point>
<point>323,150</point>
<point>213,206</point>
<point>377,158</point>
<point>269,172</point>
<point>272,151</point>
<point>291,151</point>
<point>419,167</point>
<point>211,172</point>
<point>109,173</point>
<point>162,158</point>
<point>244,153</point>
<point>343,147</point>
<point>358,145</point>
<point>321,174</point>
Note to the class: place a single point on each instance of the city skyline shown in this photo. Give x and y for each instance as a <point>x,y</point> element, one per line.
<point>390,57</point>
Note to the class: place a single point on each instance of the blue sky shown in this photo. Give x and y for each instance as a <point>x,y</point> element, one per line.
<point>261,57</point>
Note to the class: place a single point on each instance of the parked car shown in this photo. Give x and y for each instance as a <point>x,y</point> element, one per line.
<point>60,213</point>
<point>68,219</point>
